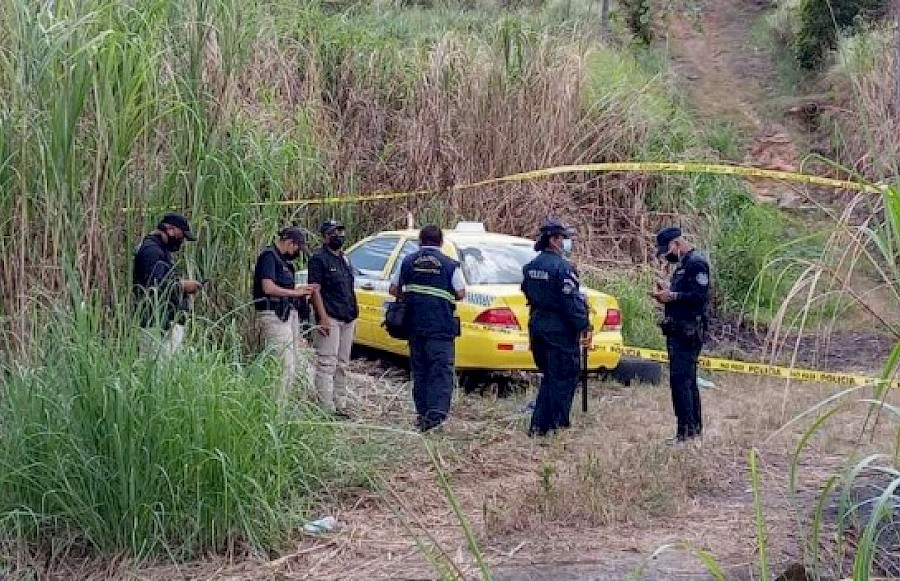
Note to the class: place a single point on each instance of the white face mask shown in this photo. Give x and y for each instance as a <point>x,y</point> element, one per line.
<point>567,245</point>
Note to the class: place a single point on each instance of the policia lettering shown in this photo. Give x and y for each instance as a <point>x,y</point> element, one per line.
<point>684,325</point>
<point>430,283</point>
<point>558,320</point>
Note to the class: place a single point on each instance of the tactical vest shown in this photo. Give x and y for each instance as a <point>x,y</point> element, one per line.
<point>429,294</point>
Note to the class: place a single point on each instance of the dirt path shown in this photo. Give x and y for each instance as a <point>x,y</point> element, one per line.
<point>728,78</point>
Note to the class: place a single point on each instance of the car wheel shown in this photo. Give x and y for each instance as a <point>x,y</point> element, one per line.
<point>637,370</point>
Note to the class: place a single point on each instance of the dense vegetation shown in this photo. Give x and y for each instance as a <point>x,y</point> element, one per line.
<point>115,109</point>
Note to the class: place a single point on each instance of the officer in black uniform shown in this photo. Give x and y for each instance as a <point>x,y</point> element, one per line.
<point>430,283</point>
<point>161,293</point>
<point>558,323</point>
<point>684,325</point>
<point>331,270</point>
<point>282,305</point>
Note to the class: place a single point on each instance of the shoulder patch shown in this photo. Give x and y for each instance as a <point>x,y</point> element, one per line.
<point>702,278</point>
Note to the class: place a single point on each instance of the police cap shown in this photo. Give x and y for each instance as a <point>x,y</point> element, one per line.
<point>551,227</point>
<point>664,237</point>
<point>329,226</point>
<point>180,222</point>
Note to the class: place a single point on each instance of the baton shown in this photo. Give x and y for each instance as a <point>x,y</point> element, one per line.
<point>584,374</point>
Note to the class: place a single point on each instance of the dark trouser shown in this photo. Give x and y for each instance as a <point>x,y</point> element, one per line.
<point>432,362</point>
<point>558,358</point>
<point>683,356</point>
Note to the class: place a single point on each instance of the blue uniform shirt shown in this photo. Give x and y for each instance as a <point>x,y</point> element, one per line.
<point>691,283</point>
<point>553,292</point>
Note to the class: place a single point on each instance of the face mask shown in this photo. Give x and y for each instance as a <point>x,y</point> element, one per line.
<point>567,245</point>
<point>336,242</point>
<point>672,257</point>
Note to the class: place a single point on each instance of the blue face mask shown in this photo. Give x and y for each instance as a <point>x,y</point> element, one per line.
<point>567,245</point>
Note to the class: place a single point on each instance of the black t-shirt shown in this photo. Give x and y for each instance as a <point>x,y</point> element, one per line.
<point>270,265</point>
<point>335,276</point>
<point>156,284</point>
<point>691,281</point>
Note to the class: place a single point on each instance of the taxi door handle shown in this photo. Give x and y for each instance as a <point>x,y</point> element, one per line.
<point>367,286</point>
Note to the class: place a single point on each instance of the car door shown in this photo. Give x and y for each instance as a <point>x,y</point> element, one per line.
<point>369,259</point>
<point>382,339</point>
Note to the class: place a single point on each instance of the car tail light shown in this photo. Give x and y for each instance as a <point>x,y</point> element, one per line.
<point>613,320</point>
<point>502,317</point>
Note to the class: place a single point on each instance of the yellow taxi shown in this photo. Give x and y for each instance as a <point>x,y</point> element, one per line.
<point>493,315</point>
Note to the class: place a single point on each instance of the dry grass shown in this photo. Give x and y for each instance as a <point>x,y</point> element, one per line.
<point>229,109</point>
<point>868,117</point>
<point>608,492</point>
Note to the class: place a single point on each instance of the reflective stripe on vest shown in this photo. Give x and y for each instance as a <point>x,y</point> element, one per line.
<point>429,290</point>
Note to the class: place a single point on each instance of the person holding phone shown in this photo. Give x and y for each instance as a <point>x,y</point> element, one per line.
<point>282,305</point>
<point>684,324</point>
<point>162,295</point>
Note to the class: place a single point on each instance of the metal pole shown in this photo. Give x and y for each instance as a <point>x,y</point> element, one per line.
<point>584,374</point>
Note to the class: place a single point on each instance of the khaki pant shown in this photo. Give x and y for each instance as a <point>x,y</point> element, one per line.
<point>285,339</point>
<point>154,343</point>
<point>332,360</point>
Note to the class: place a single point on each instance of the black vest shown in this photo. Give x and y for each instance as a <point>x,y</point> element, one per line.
<point>427,277</point>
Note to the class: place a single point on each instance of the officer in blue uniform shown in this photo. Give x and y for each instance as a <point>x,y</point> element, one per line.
<point>558,323</point>
<point>684,325</point>
<point>430,283</point>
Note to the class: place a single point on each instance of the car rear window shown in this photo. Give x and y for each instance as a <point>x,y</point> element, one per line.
<point>498,263</point>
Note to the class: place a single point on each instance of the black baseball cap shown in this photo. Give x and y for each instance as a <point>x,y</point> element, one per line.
<point>329,226</point>
<point>664,237</point>
<point>180,222</point>
<point>294,234</point>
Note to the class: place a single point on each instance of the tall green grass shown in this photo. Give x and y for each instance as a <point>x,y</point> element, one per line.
<point>115,453</point>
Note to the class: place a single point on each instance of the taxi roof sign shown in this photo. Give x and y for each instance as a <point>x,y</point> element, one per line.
<point>469,227</point>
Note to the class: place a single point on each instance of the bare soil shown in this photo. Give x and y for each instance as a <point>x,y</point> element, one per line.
<point>729,79</point>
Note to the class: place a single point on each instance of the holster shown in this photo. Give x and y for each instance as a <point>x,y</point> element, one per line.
<point>695,330</point>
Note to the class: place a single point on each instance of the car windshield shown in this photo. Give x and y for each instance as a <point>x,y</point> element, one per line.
<point>497,263</point>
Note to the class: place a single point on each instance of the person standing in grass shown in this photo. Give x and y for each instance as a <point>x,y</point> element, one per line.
<point>558,324</point>
<point>430,283</point>
<point>330,269</point>
<point>684,325</point>
<point>282,305</point>
<point>160,292</point>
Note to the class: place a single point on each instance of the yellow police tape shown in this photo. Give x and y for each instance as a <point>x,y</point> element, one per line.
<point>761,369</point>
<point>629,166</point>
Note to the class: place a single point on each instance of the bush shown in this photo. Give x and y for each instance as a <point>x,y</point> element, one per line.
<point>820,21</point>
<point>639,311</point>
<point>121,454</point>
<point>638,19</point>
